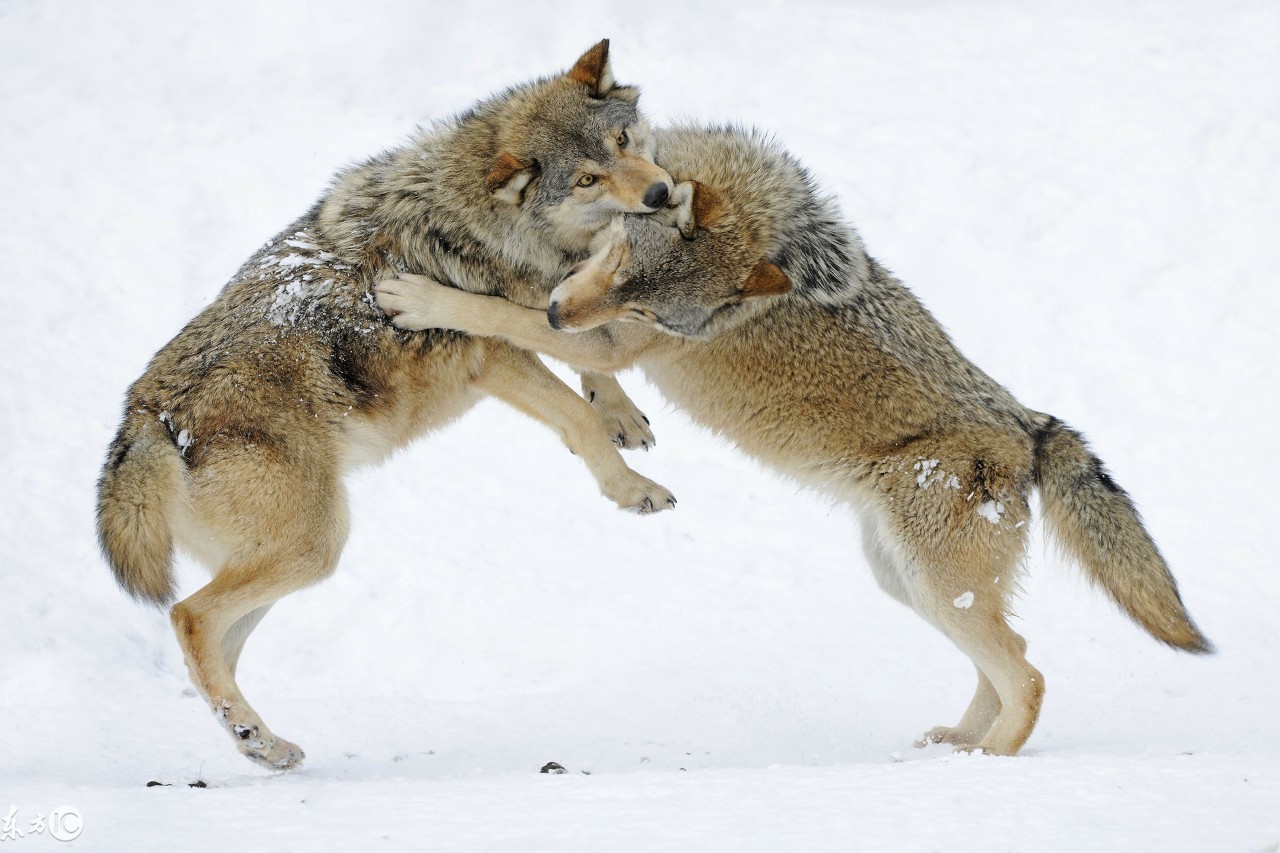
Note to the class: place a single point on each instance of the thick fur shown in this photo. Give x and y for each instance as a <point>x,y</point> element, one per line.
<point>762,315</point>
<point>236,438</point>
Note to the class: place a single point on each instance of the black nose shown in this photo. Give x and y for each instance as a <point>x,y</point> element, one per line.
<point>553,315</point>
<point>656,196</point>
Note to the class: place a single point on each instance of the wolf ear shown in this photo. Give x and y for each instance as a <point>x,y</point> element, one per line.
<point>697,206</point>
<point>508,175</point>
<point>765,279</point>
<point>708,206</point>
<point>592,70</point>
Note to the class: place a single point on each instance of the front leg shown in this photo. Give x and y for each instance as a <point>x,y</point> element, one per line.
<point>520,379</point>
<point>416,302</point>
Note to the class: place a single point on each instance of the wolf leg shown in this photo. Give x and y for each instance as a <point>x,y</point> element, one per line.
<point>417,302</point>
<point>233,641</point>
<point>896,580</point>
<point>240,593</point>
<point>623,421</point>
<point>976,722</point>
<point>886,565</point>
<point>997,651</point>
<point>519,379</point>
<point>965,599</point>
<point>281,527</point>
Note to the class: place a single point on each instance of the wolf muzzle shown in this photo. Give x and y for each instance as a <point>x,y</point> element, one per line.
<point>656,196</point>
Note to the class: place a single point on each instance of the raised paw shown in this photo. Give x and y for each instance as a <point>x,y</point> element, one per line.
<point>639,494</point>
<point>413,301</point>
<point>623,422</point>
<point>626,425</point>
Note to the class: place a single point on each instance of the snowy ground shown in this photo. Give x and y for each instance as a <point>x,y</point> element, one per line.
<point>1086,193</point>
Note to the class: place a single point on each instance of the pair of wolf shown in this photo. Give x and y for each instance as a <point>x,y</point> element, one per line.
<point>559,215</point>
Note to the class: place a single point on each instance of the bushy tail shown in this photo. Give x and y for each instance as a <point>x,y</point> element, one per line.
<point>1096,523</point>
<point>139,484</point>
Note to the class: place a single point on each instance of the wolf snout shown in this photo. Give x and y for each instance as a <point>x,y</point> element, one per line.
<point>656,196</point>
<point>553,315</point>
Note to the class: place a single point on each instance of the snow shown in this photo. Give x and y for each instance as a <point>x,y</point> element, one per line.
<point>991,511</point>
<point>1086,193</point>
<point>964,600</point>
<point>925,467</point>
<point>292,301</point>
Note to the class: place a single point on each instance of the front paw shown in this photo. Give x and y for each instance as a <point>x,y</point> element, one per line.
<point>623,422</point>
<point>413,301</point>
<point>626,425</point>
<point>635,493</point>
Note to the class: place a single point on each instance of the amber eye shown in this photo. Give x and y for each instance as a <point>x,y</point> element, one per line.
<point>586,180</point>
<point>623,139</point>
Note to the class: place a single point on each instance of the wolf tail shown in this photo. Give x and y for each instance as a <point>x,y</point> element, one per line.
<point>140,483</point>
<point>1095,522</point>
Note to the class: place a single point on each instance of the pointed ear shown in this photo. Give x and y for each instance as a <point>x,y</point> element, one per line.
<point>592,70</point>
<point>696,206</point>
<point>708,206</point>
<point>508,175</point>
<point>765,279</point>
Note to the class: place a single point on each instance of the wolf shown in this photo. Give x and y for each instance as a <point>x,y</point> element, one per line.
<point>760,313</point>
<point>235,440</point>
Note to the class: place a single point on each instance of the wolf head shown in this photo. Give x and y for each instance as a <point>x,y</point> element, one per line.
<point>574,151</point>
<point>686,270</point>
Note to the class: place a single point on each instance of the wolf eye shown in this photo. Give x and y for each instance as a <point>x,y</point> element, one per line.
<point>623,139</point>
<point>586,180</point>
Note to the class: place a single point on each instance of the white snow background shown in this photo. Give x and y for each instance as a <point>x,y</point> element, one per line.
<point>1086,193</point>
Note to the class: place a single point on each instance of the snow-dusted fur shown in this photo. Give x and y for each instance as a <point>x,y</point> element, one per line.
<point>235,440</point>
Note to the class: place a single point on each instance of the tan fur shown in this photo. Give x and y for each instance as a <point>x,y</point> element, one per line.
<point>236,438</point>
<point>846,383</point>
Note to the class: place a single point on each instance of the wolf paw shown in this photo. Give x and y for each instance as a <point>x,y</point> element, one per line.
<point>640,495</point>
<point>944,734</point>
<point>255,741</point>
<point>415,302</point>
<point>273,753</point>
<point>625,424</point>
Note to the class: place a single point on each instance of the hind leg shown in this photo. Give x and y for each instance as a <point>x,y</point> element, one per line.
<point>1010,690</point>
<point>233,641</point>
<point>235,600</point>
<point>886,566</point>
<point>896,579</point>
<point>956,512</point>
<point>900,581</point>
<point>282,528</point>
<point>964,592</point>
<point>976,722</point>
